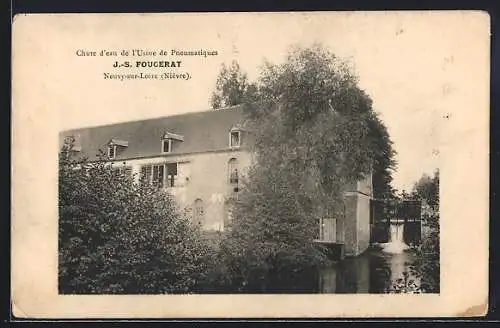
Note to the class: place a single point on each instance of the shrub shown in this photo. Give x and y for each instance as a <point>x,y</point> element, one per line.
<point>117,236</point>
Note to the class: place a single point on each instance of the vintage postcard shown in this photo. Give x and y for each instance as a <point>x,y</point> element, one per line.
<point>235,165</point>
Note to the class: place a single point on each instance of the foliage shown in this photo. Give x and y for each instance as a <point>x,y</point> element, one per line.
<point>384,162</point>
<point>427,189</point>
<point>117,236</point>
<point>311,82</point>
<point>426,267</point>
<point>232,87</point>
<point>405,285</point>
<point>314,132</point>
<point>271,233</point>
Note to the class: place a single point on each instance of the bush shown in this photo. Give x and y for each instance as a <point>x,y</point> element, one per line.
<point>427,267</point>
<point>116,236</point>
<point>271,236</point>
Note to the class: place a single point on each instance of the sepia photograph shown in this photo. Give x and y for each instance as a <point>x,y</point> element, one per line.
<point>254,154</point>
<point>281,185</point>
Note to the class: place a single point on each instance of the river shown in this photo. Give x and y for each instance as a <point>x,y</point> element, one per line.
<point>376,270</point>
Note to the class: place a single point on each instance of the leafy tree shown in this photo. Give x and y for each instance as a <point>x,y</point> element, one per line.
<point>232,87</point>
<point>384,161</point>
<point>117,236</point>
<point>314,132</point>
<point>427,266</point>
<point>270,238</point>
<point>427,189</point>
<point>311,81</point>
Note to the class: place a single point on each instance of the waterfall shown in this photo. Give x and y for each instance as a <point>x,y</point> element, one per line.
<point>396,233</point>
<point>396,243</point>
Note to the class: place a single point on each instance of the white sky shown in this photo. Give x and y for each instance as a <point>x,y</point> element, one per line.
<point>415,66</point>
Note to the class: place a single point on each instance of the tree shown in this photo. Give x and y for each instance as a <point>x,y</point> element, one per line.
<point>384,161</point>
<point>232,87</point>
<point>309,87</point>
<point>118,236</point>
<point>271,237</point>
<point>427,266</point>
<point>427,189</point>
<point>314,132</point>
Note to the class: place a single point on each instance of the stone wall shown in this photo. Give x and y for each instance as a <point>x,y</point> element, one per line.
<point>350,224</point>
<point>357,217</point>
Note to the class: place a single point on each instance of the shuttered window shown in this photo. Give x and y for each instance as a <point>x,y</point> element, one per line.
<point>159,175</point>
<point>328,229</point>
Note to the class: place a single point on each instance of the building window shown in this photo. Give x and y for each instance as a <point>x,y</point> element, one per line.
<point>159,175</point>
<point>171,174</point>
<point>233,171</point>
<point>166,146</point>
<point>199,212</point>
<point>153,174</point>
<point>234,139</point>
<point>111,151</point>
<point>146,174</point>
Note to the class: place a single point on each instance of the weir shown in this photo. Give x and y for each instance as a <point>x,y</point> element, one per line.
<point>395,224</point>
<point>396,242</point>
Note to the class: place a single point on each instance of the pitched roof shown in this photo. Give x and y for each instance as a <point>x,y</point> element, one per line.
<point>202,131</point>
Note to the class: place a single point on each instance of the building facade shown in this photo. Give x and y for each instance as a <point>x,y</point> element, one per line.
<point>200,159</point>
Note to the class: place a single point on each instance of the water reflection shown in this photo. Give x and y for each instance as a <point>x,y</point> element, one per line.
<point>372,272</point>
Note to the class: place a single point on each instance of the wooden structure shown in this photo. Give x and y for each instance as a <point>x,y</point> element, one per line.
<point>384,212</point>
<point>331,236</point>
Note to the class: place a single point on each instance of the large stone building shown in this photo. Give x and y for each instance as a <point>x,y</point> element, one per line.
<point>200,158</point>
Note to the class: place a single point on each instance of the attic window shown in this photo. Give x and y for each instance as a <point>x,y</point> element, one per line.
<point>166,146</point>
<point>167,140</point>
<point>111,151</point>
<point>114,145</point>
<point>234,139</point>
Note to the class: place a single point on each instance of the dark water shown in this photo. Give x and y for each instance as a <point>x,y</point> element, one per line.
<point>374,271</point>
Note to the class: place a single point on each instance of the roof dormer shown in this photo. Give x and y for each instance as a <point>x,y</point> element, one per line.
<point>115,146</point>
<point>235,136</point>
<point>168,141</point>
